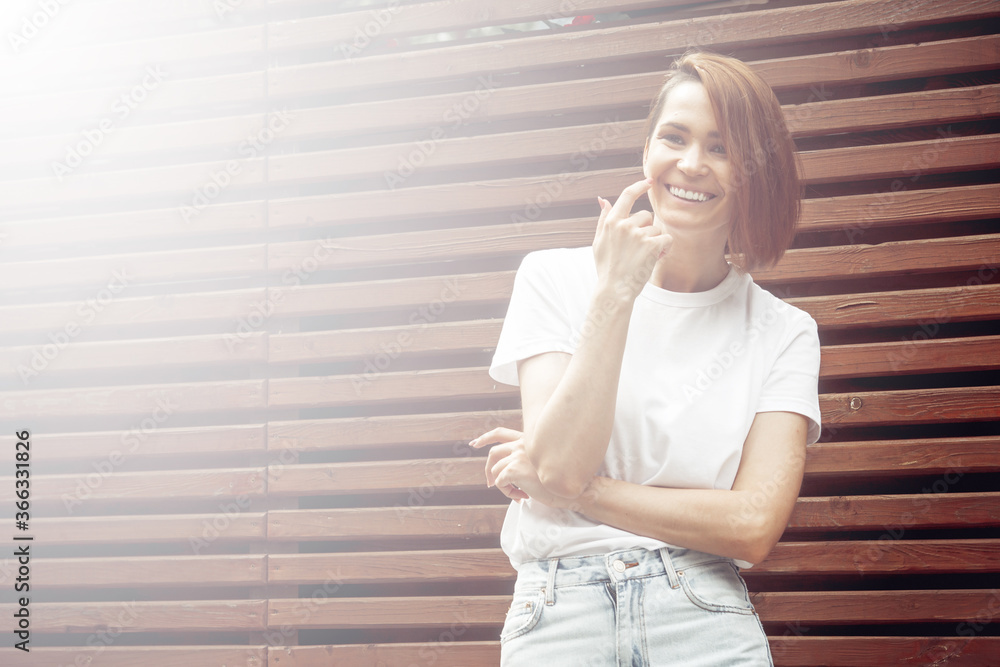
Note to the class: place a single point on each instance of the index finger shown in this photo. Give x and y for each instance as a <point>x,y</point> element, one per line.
<point>623,205</point>
<point>498,435</point>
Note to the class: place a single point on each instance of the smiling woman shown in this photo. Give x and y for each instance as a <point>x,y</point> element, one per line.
<point>667,399</point>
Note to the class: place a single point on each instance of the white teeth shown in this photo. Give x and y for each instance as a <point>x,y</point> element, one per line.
<point>689,195</point>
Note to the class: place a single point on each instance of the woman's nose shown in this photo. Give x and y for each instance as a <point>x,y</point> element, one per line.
<point>691,162</point>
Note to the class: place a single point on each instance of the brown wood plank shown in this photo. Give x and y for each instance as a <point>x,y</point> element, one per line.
<point>388,612</point>
<point>143,616</point>
<point>947,456</point>
<point>963,253</point>
<point>857,213</point>
<point>922,510</point>
<point>405,386</point>
<point>243,527</point>
<point>380,346</point>
<point>792,650</point>
<point>393,566</point>
<point>919,353</point>
<point>936,107</point>
<point>78,489</point>
<point>908,160</point>
<point>422,477</point>
<point>770,26</point>
<point>227,306</point>
<point>128,444</point>
<point>149,571</point>
<point>911,406</point>
<point>145,400</point>
<point>387,430</point>
<point>789,650</point>
<point>183,180</point>
<point>849,607</point>
<point>412,521</point>
<point>207,350</point>
<point>397,654</point>
<point>130,656</point>
<point>893,555</point>
<point>929,307</point>
<point>429,296</point>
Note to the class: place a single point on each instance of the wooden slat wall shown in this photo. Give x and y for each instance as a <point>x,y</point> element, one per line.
<point>248,320</point>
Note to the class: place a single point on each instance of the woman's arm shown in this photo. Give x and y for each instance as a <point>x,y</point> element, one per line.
<point>568,401</point>
<point>743,523</point>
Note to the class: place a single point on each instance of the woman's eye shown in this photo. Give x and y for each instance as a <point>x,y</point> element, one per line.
<point>672,138</point>
<point>720,149</point>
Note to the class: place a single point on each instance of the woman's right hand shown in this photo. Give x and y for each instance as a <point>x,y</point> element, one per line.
<point>627,245</point>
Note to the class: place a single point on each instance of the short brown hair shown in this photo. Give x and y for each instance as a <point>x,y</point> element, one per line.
<point>768,193</point>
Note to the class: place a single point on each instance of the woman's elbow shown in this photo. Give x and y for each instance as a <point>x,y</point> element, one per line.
<point>756,540</point>
<point>561,482</point>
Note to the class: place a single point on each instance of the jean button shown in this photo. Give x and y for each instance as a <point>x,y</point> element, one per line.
<point>619,566</point>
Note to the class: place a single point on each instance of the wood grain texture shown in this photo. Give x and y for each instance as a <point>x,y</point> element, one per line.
<point>145,616</point>
<point>130,656</point>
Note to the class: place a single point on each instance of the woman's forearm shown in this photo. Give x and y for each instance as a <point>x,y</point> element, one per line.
<point>568,439</point>
<point>715,521</point>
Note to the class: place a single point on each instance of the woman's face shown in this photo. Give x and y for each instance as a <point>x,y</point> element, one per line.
<point>693,188</point>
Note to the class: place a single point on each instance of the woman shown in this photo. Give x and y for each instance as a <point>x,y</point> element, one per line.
<point>667,400</point>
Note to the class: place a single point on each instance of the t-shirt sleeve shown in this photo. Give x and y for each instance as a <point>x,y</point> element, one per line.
<point>536,320</point>
<point>793,383</point>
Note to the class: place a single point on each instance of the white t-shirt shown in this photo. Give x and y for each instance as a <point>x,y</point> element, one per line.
<point>696,369</point>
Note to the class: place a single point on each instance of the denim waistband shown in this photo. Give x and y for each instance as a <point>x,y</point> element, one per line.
<point>610,567</point>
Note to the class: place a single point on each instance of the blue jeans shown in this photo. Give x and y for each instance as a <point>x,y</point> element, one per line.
<point>633,608</point>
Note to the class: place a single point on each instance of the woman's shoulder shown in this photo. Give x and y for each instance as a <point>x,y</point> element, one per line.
<point>563,263</point>
<point>772,306</point>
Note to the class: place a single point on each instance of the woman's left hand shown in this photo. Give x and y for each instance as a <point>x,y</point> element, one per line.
<point>508,468</point>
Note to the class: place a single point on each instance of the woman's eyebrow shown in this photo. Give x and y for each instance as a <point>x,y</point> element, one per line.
<point>684,128</point>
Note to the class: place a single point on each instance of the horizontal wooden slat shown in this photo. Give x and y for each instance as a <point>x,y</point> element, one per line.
<point>243,348</point>
<point>139,267</point>
<point>143,616</point>
<point>911,406</point>
<point>421,477</point>
<point>855,214</point>
<point>531,53</point>
<point>388,612</point>
<point>149,571</point>
<point>890,556</point>
<point>918,353</point>
<point>411,521</point>
<point>393,566</point>
<point>147,442</point>
<point>850,607</point>
<point>149,529</point>
<point>161,401</point>
<point>929,307</point>
<point>74,490</point>
<point>788,650</point>
<point>792,650</point>
<point>962,253</point>
<point>387,430</point>
<point>230,306</point>
<point>932,509</point>
<point>130,656</point>
<point>910,456</point>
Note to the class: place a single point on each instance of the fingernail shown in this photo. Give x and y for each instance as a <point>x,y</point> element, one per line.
<point>649,180</point>
<point>472,443</point>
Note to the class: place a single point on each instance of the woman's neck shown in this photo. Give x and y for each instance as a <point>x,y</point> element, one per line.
<point>689,268</point>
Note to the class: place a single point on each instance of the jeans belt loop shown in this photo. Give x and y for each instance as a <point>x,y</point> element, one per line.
<point>550,584</point>
<point>668,565</point>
